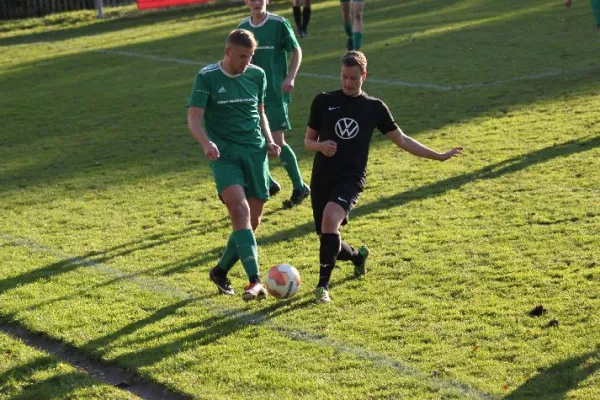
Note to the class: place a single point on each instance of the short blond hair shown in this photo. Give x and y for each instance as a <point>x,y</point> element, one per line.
<point>241,37</point>
<point>355,58</point>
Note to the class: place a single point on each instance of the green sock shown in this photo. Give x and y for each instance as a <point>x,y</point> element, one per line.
<point>247,251</point>
<point>596,11</point>
<point>229,256</point>
<point>357,39</point>
<point>348,29</point>
<point>288,158</point>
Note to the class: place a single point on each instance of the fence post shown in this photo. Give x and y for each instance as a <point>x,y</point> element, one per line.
<point>98,4</point>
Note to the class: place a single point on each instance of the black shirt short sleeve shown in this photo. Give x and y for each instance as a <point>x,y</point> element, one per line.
<point>385,121</point>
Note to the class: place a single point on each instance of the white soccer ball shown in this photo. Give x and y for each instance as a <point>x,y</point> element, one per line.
<point>283,281</point>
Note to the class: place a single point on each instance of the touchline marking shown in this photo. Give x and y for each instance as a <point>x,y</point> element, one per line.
<point>393,82</point>
<point>378,359</point>
<point>542,75</point>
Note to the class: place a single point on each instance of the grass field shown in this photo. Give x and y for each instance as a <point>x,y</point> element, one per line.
<point>110,223</point>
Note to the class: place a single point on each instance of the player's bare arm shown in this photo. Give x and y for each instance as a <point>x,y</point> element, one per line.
<point>273,149</point>
<point>568,3</point>
<point>195,116</point>
<point>418,149</point>
<point>295,61</point>
<point>311,143</point>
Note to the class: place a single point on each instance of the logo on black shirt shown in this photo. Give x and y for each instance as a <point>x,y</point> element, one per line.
<point>346,128</point>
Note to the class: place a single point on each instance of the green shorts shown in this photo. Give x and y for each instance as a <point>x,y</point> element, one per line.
<point>277,115</point>
<point>250,170</point>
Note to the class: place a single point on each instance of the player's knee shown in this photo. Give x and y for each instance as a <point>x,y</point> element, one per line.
<point>346,14</point>
<point>330,224</point>
<point>239,210</point>
<point>358,16</point>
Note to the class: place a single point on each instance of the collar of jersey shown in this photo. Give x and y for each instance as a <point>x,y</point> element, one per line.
<point>362,93</point>
<point>264,21</point>
<point>227,73</point>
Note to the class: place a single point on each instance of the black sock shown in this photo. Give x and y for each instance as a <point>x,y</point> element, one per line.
<point>330,248</point>
<point>305,18</point>
<point>348,253</point>
<point>298,17</point>
<point>254,279</point>
<point>219,272</point>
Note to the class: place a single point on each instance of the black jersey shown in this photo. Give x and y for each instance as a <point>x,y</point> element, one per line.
<point>350,122</point>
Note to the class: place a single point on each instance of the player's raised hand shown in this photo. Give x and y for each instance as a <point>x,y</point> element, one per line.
<point>455,152</point>
<point>568,3</point>
<point>273,149</point>
<point>211,151</point>
<point>328,148</point>
<point>288,84</point>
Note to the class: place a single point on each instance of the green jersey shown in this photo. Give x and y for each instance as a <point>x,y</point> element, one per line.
<point>230,104</point>
<point>275,38</point>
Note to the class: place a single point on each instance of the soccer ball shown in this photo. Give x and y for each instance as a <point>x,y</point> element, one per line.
<point>283,281</point>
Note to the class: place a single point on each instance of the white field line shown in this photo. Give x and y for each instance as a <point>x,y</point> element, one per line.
<point>392,82</point>
<point>151,285</point>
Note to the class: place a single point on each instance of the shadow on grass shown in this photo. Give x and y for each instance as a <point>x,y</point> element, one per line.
<point>227,322</point>
<point>44,273</point>
<point>96,258</point>
<point>150,138</point>
<point>492,171</point>
<point>94,371</point>
<point>102,345</point>
<point>555,382</point>
<point>58,386</point>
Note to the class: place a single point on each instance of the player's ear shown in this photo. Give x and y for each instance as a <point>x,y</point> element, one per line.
<point>364,75</point>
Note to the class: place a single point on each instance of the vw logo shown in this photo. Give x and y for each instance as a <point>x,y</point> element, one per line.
<point>346,128</point>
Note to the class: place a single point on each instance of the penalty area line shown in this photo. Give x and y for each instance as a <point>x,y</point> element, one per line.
<point>151,285</point>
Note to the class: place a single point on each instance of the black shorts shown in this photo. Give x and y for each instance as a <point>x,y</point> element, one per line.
<point>344,194</point>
